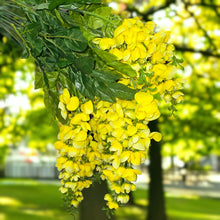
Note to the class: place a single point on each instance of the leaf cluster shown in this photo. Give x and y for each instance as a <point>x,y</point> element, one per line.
<point>58,36</point>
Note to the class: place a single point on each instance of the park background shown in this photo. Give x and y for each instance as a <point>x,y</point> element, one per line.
<point>190,145</point>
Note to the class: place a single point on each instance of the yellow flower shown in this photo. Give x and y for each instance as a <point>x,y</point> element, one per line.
<point>81,136</point>
<point>116,162</point>
<point>65,97</point>
<point>80,144</point>
<point>63,110</point>
<point>156,136</point>
<point>119,30</point>
<point>69,166</point>
<point>150,25</point>
<point>168,85</point>
<point>136,158</point>
<point>59,145</point>
<point>78,118</point>
<point>60,162</point>
<point>117,188</point>
<point>180,99</point>
<point>131,130</point>
<point>130,174</point>
<point>127,187</point>
<point>108,197</point>
<point>73,103</point>
<point>87,107</point>
<point>122,198</point>
<point>75,203</point>
<point>106,43</point>
<point>143,98</point>
<point>63,189</point>
<point>116,147</point>
<point>113,205</point>
<point>118,53</point>
<point>177,94</point>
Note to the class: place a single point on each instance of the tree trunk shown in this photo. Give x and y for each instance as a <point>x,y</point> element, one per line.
<point>156,207</point>
<point>91,207</point>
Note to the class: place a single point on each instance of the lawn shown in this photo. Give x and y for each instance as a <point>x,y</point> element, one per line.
<point>29,199</point>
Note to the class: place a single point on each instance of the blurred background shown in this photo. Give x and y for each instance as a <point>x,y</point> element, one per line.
<point>191,140</point>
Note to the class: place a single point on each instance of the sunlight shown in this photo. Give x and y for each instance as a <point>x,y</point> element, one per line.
<point>2,216</point>
<point>130,213</point>
<point>39,212</point>
<point>193,215</point>
<point>18,182</point>
<point>142,202</point>
<point>8,201</point>
<point>185,196</point>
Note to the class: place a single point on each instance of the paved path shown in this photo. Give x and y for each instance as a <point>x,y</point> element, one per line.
<point>208,187</point>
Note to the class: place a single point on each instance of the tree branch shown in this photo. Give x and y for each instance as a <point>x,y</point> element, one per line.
<point>210,40</point>
<point>193,50</point>
<point>151,10</point>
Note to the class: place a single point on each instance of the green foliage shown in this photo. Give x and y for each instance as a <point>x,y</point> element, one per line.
<point>57,35</point>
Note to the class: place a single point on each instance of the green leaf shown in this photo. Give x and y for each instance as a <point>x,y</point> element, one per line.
<point>47,63</point>
<point>52,79</point>
<point>62,63</point>
<point>103,92</point>
<point>83,84</point>
<point>95,22</point>
<point>177,62</point>
<point>51,102</point>
<point>111,60</point>
<point>37,47</point>
<point>56,3</point>
<point>89,33</point>
<point>106,75</point>
<point>65,82</point>
<point>73,39</point>
<point>84,64</point>
<point>65,60</point>
<point>38,81</point>
<point>32,30</point>
<point>121,91</point>
<point>41,6</point>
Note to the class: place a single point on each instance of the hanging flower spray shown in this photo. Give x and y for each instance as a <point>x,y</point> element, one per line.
<point>104,140</point>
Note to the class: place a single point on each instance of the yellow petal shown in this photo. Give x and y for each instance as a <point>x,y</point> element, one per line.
<point>143,98</point>
<point>66,96</point>
<point>124,156</point>
<point>73,103</point>
<point>116,163</point>
<point>138,146</point>
<point>59,145</point>
<point>63,110</point>
<point>78,118</point>
<point>136,158</point>
<point>156,136</point>
<point>81,136</point>
<point>87,107</point>
<point>131,130</point>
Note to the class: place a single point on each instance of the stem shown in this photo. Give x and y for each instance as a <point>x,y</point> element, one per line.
<point>132,80</point>
<point>23,40</point>
<point>24,6</point>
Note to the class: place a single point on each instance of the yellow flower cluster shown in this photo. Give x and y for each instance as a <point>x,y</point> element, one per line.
<point>107,142</point>
<point>147,52</point>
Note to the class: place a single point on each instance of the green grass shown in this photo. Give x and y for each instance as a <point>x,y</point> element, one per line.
<point>25,200</point>
<point>28,199</point>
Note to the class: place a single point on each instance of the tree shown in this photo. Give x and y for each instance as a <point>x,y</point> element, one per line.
<point>88,57</point>
<point>22,124</point>
<point>193,132</point>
